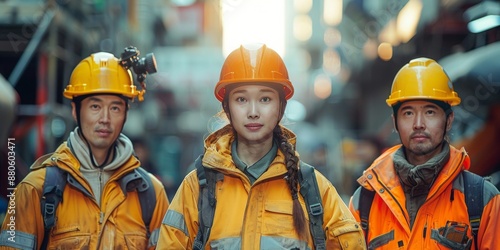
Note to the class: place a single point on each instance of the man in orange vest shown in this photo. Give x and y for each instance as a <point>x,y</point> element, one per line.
<point>420,187</point>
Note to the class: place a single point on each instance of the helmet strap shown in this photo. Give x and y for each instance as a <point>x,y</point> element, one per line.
<point>112,148</point>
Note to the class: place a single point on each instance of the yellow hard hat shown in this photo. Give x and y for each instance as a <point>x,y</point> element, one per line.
<point>422,78</point>
<point>253,64</point>
<point>101,73</point>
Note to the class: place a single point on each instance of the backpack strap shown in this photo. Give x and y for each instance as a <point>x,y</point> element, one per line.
<point>55,181</point>
<point>473,185</point>
<point>207,179</point>
<point>139,180</point>
<point>365,205</point>
<point>310,192</point>
<point>147,198</point>
<point>53,187</point>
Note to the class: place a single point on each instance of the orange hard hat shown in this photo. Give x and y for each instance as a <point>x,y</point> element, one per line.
<point>422,78</point>
<point>253,64</point>
<point>101,73</point>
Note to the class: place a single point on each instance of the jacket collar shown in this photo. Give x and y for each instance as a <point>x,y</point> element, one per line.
<point>64,158</point>
<point>382,173</point>
<point>218,151</point>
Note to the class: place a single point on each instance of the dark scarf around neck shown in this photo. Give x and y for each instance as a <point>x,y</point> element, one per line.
<point>419,179</point>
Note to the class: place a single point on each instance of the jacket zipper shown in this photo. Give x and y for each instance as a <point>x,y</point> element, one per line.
<point>101,213</point>
<point>102,217</point>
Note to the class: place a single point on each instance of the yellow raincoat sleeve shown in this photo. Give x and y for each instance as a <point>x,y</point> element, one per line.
<point>23,226</point>
<point>342,230</point>
<point>180,223</point>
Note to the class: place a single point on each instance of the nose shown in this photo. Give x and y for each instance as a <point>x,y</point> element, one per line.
<point>419,122</point>
<point>105,116</point>
<point>253,112</point>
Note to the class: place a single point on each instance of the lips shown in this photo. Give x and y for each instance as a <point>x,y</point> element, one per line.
<point>419,137</point>
<point>254,126</point>
<point>103,132</point>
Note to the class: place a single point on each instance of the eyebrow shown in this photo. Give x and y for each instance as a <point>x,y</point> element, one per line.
<point>96,99</point>
<point>260,91</point>
<point>433,106</point>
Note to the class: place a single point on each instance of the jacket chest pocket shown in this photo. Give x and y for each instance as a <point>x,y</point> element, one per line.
<point>70,237</point>
<point>136,241</point>
<point>277,217</point>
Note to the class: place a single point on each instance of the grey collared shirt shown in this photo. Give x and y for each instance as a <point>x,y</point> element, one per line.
<point>254,171</point>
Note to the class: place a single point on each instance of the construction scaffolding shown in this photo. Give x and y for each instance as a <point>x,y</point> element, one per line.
<point>40,43</point>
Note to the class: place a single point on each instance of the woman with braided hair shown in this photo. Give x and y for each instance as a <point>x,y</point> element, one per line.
<point>257,195</point>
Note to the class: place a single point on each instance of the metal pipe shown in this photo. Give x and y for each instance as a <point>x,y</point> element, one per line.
<point>31,48</point>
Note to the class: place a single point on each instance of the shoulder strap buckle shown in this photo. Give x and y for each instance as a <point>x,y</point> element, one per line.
<point>316,209</point>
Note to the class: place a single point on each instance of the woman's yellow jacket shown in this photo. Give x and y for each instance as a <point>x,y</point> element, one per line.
<point>257,216</point>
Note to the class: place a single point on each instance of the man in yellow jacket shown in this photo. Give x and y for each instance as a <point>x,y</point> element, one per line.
<point>419,197</point>
<point>258,205</point>
<point>100,204</point>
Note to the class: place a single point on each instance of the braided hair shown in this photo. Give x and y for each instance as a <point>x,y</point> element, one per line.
<point>292,179</point>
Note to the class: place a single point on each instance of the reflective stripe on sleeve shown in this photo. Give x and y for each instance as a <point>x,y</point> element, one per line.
<point>17,239</point>
<point>176,220</point>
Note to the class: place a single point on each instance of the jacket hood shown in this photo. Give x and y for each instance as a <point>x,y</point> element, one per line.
<point>64,158</point>
<point>218,148</point>
<point>62,154</point>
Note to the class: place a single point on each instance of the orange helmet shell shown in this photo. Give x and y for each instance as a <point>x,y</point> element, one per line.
<point>252,64</point>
